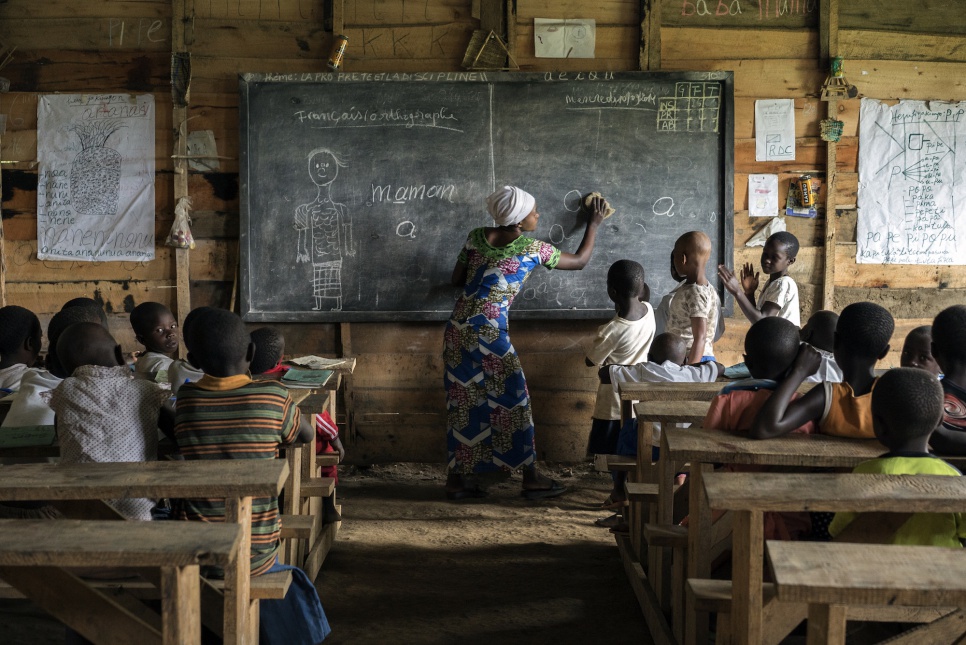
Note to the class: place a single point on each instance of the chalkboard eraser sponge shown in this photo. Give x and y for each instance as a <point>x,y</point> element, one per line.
<point>608,209</point>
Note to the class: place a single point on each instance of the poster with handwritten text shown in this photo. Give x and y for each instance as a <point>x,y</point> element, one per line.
<point>95,189</point>
<point>775,130</point>
<point>912,183</point>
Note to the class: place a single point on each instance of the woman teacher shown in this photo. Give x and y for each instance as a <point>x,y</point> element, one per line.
<point>489,422</point>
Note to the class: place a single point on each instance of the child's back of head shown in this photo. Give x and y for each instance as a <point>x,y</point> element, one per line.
<point>61,321</point>
<point>222,345</point>
<point>269,349</point>
<point>87,302</point>
<point>949,342</point>
<point>626,280</point>
<point>819,331</point>
<point>20,336</point>
<point>907,405</point>
<point>862,335</point>
<point>771,346</point>
<point>668,347</point>
<point>87,343</point>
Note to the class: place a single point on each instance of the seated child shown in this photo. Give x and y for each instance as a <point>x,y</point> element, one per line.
<point>771,347</point>
<point>843,409</point>
<point>20,338</point>
<point>693,311</point>
<point>949,350</point>
<point>665,364</point>
<point>27,407</point>
<point>625,340</point>
<point>104,414</point>
<point>780,296</point>
<point>226,415</point>
<point>819,332</point>
<point>917,351</point>
<point>906,406</point>
<point>269,351</point>
<point>181,371</point>
<point>156,328</point>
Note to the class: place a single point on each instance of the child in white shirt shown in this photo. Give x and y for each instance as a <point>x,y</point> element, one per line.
<point>780,295</point>
<point>624,340</point>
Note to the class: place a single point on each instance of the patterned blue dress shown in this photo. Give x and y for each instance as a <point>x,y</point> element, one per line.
<point>489,423</point>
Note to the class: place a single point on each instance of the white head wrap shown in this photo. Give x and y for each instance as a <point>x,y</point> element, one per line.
<point>509,205</point>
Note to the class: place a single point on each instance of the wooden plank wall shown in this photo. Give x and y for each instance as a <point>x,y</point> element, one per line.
<point>395,405</point>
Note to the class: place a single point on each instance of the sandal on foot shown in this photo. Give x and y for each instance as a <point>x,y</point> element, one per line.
<point>466,493</point>
<point>611,504</point>
<point>608,522</point>
<point>556,489</point>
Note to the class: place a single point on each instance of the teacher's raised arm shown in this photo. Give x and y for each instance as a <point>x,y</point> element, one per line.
<point>489,422</point>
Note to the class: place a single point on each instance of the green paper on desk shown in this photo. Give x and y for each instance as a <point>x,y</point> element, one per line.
<point>27,436</point>
<point>306,378</point>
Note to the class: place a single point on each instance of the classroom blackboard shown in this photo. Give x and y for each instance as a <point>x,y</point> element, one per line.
<point>358,190</point>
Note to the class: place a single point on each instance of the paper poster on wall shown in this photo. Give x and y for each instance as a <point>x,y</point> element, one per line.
<point>912,183</point>
<point>95,192</point>
<point>559,38</point>
<point>775,130</point>
<point>762,195</point>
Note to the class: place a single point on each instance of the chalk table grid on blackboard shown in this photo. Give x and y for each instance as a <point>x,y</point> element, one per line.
<point>358,190</point>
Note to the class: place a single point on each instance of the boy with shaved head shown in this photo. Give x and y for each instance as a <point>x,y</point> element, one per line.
<point>104,414</point>
<point>693,312</point>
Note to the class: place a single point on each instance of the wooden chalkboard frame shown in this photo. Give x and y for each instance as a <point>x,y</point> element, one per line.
<point>247,81</point>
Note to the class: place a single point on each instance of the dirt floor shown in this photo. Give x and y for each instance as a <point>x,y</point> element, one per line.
<point>411,567</point>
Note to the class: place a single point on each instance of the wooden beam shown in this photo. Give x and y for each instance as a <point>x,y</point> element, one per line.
<point>182,21</point>
<point>493,17</point>
<point>829,45</point>
<point>650,54</point>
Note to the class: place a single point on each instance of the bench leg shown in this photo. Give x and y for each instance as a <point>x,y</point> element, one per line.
<point>239,511</point>
<point>826,624</point>
<point>181,605</point>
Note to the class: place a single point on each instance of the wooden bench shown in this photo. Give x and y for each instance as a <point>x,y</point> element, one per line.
<point>830,577</point>
<point>749,495</point>
<point>703,448</point>
<point>235,481</point>
<point>34,554</point>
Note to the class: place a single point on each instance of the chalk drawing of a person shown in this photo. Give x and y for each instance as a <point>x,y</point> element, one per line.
<point>325,233</point>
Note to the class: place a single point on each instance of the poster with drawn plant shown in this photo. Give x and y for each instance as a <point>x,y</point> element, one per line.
<point>95,189</point>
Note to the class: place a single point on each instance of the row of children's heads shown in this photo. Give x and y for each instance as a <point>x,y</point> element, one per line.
<point>78,335</point>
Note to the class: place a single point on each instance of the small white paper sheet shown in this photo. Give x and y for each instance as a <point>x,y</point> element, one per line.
<point>559,38</point>
<point>775,130</point>
<point>762,195</point>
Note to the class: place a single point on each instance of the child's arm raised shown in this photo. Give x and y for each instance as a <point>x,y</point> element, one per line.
<point>780,415</point>
<point>744,293</point>
<point>699,329</point>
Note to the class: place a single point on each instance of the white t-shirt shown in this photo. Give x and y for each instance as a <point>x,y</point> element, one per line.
<point>153,366</point>
<point>661,315</point>
<point>27,408</point>
<point>666,372</point>
<point>620,342</point>
<point>180,372</point>
<point>10,376</point>
<point>694,301</point>
<point>828,371</point>
<point>784,293</point>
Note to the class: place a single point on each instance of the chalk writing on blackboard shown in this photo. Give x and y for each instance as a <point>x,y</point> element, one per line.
<point>909,183</point>
<point>694,107</point>
<point>324,232</point>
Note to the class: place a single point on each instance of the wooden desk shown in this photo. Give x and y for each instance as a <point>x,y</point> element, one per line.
<point>750,495</point>
<point>665,412</point>
<point>237,481</point>
<point>35,553</point>
<point>703,448</point>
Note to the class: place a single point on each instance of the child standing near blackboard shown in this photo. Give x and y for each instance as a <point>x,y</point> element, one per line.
<point>780,296</point>
<point>624,340</point>
<point>693,311</point>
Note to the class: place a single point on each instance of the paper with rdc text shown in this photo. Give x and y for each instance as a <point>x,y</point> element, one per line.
<point>912,183</point>
<point>95,189</point>
<point>775,130</point>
